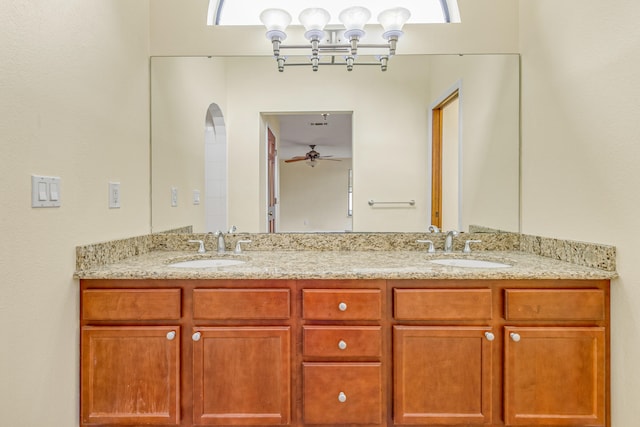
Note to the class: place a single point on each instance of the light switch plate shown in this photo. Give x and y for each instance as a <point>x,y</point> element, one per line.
<point>114,195</point>
<point>45,191</point>
<point>174,197</point>
<point>196,197</point>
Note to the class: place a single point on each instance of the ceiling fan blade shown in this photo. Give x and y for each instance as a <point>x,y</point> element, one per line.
<point>295,159</point>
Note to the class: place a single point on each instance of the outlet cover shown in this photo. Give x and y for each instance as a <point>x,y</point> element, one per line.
<point>174,197</point>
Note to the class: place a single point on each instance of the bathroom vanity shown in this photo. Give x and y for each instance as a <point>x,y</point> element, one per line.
<point>348,340</point>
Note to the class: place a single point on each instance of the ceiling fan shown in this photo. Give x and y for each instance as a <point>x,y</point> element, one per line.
<point>312,157</point>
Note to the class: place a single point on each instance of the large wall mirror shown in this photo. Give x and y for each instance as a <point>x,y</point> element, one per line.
<point>225,129</point>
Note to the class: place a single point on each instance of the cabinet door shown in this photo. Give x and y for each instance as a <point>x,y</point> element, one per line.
<point>342,393</point>
<point>442,375</point>
<point>241,375</point>
<point>554,376</point>
<point>130,375</point>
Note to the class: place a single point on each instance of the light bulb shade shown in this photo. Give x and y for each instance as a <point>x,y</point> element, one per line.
<point>355,18</point>
<point>394,19</point>
<point>314,18</point>
<point>275,19</point>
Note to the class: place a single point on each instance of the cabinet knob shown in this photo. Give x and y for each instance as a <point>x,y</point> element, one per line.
<point>171,335</point>
<point>342,397</point>
<point>196,336</point>
<point>342,306</point>
<point>342,345</point>
<point>490,336</point>
<point>515,337</point>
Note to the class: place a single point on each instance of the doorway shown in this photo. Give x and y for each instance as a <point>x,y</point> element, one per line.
<point>445,157</point>
<point>215,153</point>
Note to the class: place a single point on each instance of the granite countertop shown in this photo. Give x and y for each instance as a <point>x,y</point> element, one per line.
<point>282,264</point>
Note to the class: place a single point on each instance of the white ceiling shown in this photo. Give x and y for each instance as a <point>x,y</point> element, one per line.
<point>299,130</point>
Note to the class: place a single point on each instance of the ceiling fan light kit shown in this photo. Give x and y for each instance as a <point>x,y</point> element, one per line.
<point>353,19</point>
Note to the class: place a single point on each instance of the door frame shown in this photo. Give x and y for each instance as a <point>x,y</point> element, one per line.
<point>435,152</point>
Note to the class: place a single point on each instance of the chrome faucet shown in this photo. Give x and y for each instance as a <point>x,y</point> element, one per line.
<point>221,245</point>
<point>448,240</point>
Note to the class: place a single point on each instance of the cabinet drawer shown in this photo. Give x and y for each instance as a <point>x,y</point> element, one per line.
<point>339,341</point>
<point>349,304</point>
<point>342,393</point>
<point>223,304</point>
<point>554,304</point>
<point>131,304</point>
<point>442,304</point>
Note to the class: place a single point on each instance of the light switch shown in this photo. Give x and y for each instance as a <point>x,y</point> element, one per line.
<point>42,192</point>
<point>114,195</point>
<point>45,191</point>
<point>196,197</point>
<point>54,194</point>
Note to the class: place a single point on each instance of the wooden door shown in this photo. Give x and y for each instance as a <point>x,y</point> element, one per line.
<point>242,376</point>
<point>271,179</point>
<point>130,375</point>
<point>442,375</point>
<point>554,376</point>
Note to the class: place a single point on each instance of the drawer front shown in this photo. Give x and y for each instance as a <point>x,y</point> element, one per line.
<point>554,304</point>
<point>224,304</point>
<point>342,393</point>
<point>442,304</point>
<point>349,304</point>
<point>131,304</point>
<point>339,341</point>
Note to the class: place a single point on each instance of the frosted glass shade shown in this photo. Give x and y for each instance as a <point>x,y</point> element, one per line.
<point>394,19</point>
<point>355,18</point>
<point>314,18</point>
<point>275,19</point>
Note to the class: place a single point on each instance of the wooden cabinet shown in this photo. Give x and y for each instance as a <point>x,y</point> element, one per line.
<point>241,375</point>
<point>342,372</point>
<point>130,374</point>
<point>366,353</point>
<point>442,374</point>
<point>555,374</point>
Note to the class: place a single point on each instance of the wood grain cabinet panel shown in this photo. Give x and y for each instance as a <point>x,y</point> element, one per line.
<point>131,304</point>
<point>343,304</point>
<point>130,375</point>
<point>342,393</point>
<point>442,375</point>
<point>554,304</point>
<point>442,304</point>
<point>245,304</point>
<point>342,341</point>
<point>242,375</point>
<point>554,376</point>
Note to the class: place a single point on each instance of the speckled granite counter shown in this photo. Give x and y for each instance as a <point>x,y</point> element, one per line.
<point>283,264</point>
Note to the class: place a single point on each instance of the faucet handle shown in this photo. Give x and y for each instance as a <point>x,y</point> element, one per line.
<point>238,247</point>
<point>233,229</point>
<point>467,245</point>
<point>201,248</point>
<point>433,229</point>
<point>431,249</point>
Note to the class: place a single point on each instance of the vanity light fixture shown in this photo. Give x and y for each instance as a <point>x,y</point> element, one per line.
<point>353,19</point>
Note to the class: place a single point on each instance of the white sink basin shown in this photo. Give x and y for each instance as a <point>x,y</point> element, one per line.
<point>469,263</point>
<point>207,263</point>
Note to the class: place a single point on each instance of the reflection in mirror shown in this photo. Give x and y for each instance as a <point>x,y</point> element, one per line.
<point>314,163</point>
<point>391,137</point>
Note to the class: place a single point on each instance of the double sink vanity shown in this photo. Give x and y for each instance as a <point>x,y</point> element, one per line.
<point>299,331</point>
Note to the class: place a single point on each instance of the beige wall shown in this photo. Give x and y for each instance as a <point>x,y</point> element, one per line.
<point>314,199</point>
<point>580,140</point>
<point>178,129</point>
<point>74,104</point>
